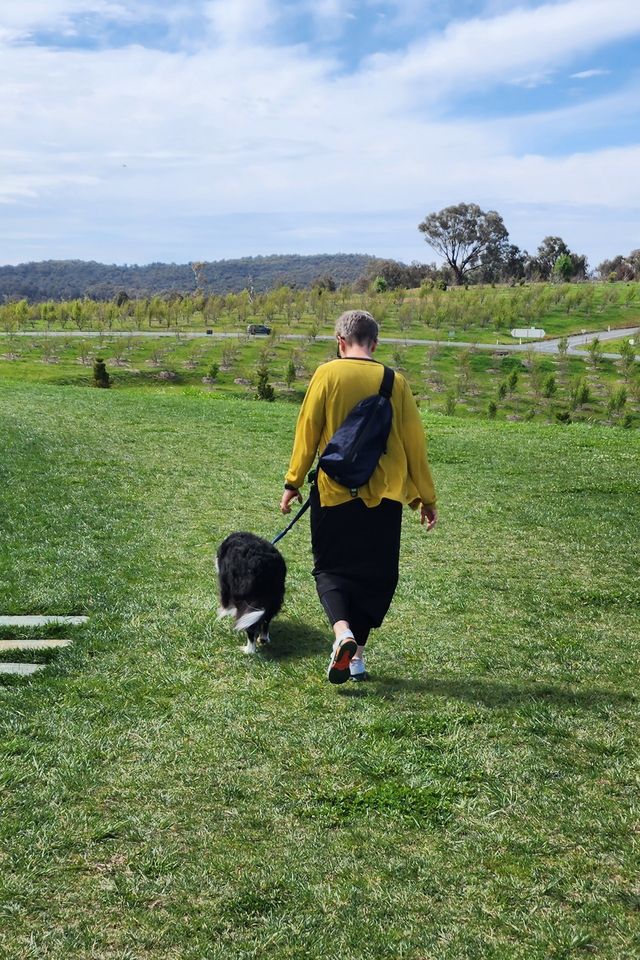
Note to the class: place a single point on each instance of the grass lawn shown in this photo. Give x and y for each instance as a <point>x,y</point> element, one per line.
<point>614,346</point>
<point>164,796</point>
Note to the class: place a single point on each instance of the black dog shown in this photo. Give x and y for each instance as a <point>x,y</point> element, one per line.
<point>251,575</point>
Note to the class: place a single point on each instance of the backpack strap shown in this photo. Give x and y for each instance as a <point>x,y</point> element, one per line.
<point>387,383</point>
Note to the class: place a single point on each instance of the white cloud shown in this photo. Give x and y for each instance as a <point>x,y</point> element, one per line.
<point>235,21</point>
<point>566,122</point>
<point>588,74</point>
<point>574,179</point>
<point>152,138</point>
<point>533,80</point>
<point>20,19</point>
<point>518,43</point>
<point>329,17</point>
<point>332,9</point>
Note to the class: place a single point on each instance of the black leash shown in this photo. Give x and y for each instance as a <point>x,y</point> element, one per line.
<point>303,509</point>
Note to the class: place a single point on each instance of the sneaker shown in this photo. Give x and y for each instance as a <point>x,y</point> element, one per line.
<point>343,650</point>
<point>358,670</point>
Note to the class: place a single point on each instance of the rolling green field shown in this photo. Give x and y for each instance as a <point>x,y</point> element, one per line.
<point>481,314</point>
<point>444,378</point>
<point>164,796</point>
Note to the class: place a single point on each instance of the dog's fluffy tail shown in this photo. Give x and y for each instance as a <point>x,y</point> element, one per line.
<point>247,619</point>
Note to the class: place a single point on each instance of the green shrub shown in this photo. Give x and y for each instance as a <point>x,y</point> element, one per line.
<point>100,376</point>
<point>264,389</point>
<point>564,268</point>
<point>616,402</point>
<point>628,358</point>
<point>450,403</point>
<point>507,364</point>
<point>290,373</point>
<point>594,349</point>
<point>549,386</point>
<point>580,393</point>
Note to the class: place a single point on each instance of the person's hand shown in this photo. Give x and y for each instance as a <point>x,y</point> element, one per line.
<point>428,515</point>
<point>287,498</point>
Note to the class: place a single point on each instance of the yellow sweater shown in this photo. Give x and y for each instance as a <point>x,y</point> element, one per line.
<point>403,471</point>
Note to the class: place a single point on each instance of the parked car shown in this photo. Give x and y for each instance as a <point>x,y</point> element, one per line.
<point>258,330</point>
<point>209,333</point>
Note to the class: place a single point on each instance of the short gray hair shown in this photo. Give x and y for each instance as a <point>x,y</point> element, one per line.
<point>357,326</point>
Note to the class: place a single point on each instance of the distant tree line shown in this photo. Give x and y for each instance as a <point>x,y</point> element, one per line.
<point>475,246</point>
<point>473,243</point>
<point>77,279</point>
<point>621,268</point>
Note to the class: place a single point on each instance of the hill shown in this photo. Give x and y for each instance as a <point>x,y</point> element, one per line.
<point>73,279</point>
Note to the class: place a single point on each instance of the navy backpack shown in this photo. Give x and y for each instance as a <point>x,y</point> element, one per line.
<point>354,450</point>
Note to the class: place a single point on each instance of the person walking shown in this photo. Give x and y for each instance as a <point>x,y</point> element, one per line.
<point>356,539</point>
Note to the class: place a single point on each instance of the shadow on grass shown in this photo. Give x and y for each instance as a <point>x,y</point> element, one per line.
<point>493,694</point>
<point>296,640</point>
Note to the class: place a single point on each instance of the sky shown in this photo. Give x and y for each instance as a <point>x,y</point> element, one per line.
<point>134,131</point>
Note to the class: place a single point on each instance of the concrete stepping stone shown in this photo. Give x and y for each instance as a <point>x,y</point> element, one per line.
<point>49,644</point>
<point>40,621</point>
<point>21,669</point>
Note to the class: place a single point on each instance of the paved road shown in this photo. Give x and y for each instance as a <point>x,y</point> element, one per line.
<point>582,339</point>
<point>538,346</point>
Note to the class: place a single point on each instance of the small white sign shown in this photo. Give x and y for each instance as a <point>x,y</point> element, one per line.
<point>533,333</point>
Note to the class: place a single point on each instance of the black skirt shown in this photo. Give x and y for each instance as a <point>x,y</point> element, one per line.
<point>356,550</point>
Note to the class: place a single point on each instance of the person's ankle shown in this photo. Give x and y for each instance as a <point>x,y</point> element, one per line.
<point>341,637</point>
